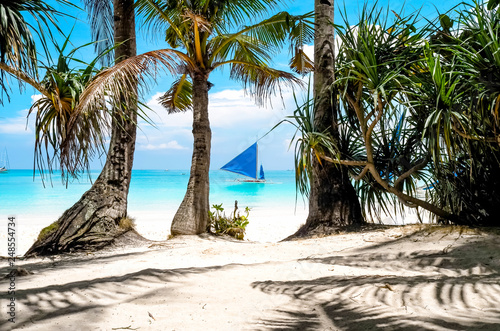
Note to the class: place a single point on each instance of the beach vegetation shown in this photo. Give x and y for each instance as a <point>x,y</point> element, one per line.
<point>417,115</point>
<point>463,123</point>
<point>127,223</point>
<point>233,225</point>
<point>74,139</point>
<point>46,231</point>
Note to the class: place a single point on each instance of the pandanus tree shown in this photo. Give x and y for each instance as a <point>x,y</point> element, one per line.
<point>460,99</point>
<point>76,130</point>
<point>379,138</point>
<point>419,108</point>
<point>205,36</point>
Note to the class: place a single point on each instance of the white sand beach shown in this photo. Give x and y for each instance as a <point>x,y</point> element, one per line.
<point>266,225</point>
<point>397,278</point>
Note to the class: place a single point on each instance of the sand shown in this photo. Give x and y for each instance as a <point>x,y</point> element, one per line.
<point>397,278</point>
<point>266,225</point>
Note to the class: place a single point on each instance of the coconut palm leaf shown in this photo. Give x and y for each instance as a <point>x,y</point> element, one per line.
<point>159,15</point>
<point>179,97</point>
<point>111,85</point>
<point>243,47</point>
<point>272,33</point>
<point>261,82</point>
<point>301,63</point>
<point>100,15</point>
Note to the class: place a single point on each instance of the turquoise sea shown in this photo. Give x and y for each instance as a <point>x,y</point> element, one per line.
<point>154,197</point>
<point>20,193</point>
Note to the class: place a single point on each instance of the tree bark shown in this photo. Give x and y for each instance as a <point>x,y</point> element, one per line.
<point>94,221</point>
<point>333,203</point>
<point>192,215</point>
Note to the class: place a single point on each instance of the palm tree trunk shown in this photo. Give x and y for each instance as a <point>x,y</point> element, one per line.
<point>94,221</point>
<point>333,203</point>
<point>192,215</point>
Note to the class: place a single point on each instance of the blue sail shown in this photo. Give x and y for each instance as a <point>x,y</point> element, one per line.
<point>262,173</point>
<point>245,163</point>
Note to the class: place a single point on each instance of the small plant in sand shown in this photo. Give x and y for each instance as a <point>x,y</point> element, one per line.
<point>127,223</point>
<point>233,225</point>
<point>48,230</point>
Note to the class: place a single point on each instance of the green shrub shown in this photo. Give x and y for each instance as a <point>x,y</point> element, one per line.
<point>234,225</point>
<point>46,231</point>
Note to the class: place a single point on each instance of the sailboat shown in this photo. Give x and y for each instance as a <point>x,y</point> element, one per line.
<point>4,162</point>
<point>246,164</point>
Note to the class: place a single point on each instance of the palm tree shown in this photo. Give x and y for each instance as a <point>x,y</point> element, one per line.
<point>202,40</point>
<point>204,30</point>
<point>97,219</point>
<point>333,202</point>
<point>100,215</point>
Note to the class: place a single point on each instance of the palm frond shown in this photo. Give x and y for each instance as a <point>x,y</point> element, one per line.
<point>115,85</point>
<point>239,12</point>
<point>164,16</point>
<point>100,15</point>
<point>301,63</point>
<point>261,82</point>
<point>179,97</point>
<point>271,32</point>
<point>242,47</point>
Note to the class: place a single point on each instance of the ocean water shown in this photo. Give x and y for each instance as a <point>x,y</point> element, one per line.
<point>154,198</point>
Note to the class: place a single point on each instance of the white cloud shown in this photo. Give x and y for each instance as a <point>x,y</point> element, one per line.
<point>170,145</point>
<point>227,109</point>
<point>309,50</point>
<point>35,97</point>
<point>20,124</point>
<point>161,118</point>
<point>16,125</point>
<point>230,108</point>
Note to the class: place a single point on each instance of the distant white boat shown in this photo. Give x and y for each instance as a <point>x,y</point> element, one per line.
<point>247,164</point>
<point>4,162</point>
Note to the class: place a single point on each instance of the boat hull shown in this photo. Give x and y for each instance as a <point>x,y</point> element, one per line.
<point>251,180</point>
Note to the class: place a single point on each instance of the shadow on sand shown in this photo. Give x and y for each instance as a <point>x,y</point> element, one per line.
<point>456,289</point>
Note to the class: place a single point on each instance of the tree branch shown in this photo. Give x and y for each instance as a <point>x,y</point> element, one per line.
<point>344,162</point>
<point>495,139</point>
<point>407,174</point>
<point>25,78</point>
<point>362,173</point>
<point>357,109</point>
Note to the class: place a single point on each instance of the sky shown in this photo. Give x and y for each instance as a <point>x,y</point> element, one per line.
<point>235,120</point>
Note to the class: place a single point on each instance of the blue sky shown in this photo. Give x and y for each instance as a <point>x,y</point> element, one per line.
<point>236,122</point>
